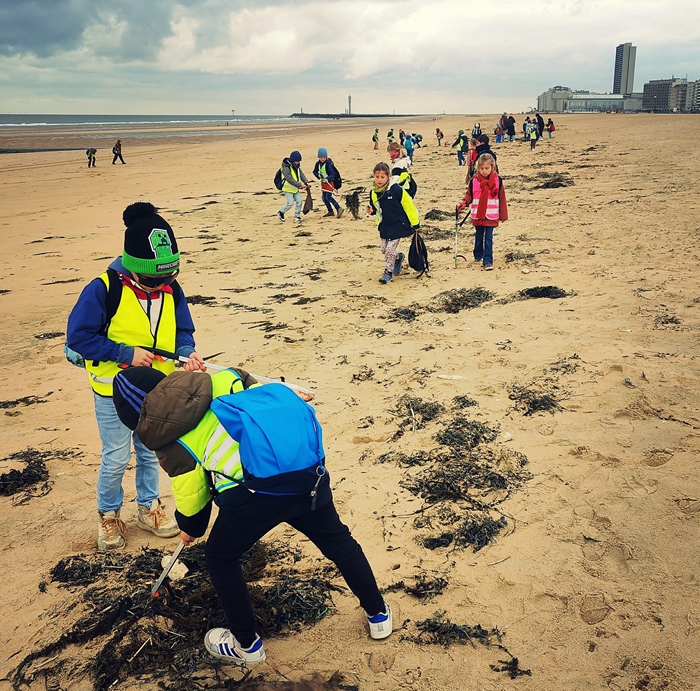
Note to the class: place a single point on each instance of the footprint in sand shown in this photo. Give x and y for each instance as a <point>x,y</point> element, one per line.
<point>656,457</point>
<point>688,505</point>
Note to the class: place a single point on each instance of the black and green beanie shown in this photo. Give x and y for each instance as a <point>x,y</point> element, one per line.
<point>150,246</point>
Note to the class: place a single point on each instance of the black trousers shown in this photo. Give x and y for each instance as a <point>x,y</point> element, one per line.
<point>245,517</point>
<point>117,156</point>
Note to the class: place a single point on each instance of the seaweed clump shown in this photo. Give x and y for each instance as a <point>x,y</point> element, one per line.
<point>352,202</point>
<point>34,472</point>
<point>551,292</point>
<point>534,398</point>
<point>424,588</point>
<point>458,299</point>
<point>133,635</point>
<point>416,412</point>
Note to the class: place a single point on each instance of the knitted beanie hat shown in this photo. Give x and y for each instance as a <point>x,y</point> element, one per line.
<point>150,246</point>
<point>322,152</point>
<point>461,132</point>
<point>295,157</point>
<point>131,386</point>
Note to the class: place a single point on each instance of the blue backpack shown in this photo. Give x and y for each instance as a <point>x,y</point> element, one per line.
<point>279,437</point>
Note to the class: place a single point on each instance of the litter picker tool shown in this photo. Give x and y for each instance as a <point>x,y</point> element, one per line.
<point>306,394</point>
<point>458,225</point>
<point>164,574</point>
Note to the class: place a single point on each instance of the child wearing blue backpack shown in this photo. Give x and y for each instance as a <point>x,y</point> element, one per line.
<point>257,452</point>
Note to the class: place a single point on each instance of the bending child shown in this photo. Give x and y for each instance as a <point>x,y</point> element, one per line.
<point>205,430</point>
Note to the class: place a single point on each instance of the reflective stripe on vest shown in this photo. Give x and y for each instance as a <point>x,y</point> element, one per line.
<point>210,444</point>
<point>294,172</point>
<point>132,326</point>
<point>492,205</point>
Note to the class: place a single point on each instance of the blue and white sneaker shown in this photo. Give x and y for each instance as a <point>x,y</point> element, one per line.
<point>398,263</point>
<point>222,644</point>
<point>380,625</point>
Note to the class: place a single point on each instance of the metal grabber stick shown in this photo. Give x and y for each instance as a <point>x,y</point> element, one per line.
<point>458,225</point>
<point>306,394</point>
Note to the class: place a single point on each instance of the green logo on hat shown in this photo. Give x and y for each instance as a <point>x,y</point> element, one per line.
<point>160,243</point>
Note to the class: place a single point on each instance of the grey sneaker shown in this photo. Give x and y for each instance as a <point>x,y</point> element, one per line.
<point>222,644</point>
<point>156,520</point>
<point>340,212</point>
<point>111,531</point>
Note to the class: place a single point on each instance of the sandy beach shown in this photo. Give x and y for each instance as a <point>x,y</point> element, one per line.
<point>568,377</point>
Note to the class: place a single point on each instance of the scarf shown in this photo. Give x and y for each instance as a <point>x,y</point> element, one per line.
<point>489,190</point>
<point>380,190</point>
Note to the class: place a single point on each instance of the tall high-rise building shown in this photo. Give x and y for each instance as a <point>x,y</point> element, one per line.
<point>623,81</point>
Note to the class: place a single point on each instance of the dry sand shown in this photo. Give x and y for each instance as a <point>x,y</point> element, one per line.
<point>594,579</point>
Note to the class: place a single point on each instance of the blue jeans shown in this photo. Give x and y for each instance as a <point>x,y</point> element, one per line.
<point>483,244</point>
<point>116,453</point>
<point>460,157</point>
<point>292,198</point>
<point>329,201</point>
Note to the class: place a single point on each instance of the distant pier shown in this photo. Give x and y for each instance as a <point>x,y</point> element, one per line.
<point>343,116</point>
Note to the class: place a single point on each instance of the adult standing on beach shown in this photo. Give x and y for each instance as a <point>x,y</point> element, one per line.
<point>540,126</point>
<point>294,182</point>
<point>510,128</point>
<point>117,151</point>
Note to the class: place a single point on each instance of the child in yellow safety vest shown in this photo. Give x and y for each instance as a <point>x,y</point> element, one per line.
<point>135,305</point>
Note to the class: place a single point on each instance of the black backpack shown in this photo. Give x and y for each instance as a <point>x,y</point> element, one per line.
<point>418,256</point>
<point>338,180</point>
<point>279,179</point>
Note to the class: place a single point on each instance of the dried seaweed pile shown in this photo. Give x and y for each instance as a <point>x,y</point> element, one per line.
<point>24,401</point>
<point>440,631</point>
<point>134,635</point>
<point>550,292</point>
<point>462,480</point>
<point>453,301</point>
<point>424,588</point>
<point>554,180</point>
<point>437,215</point>
<point>34,471</point>
<point>206,300</point>
<point>544,394</point>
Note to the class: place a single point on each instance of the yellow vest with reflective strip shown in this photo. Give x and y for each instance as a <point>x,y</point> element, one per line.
<point>294,172</point>
<point>215,452</point>
<point>131,326</point>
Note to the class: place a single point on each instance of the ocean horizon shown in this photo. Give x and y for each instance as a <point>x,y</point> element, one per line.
<point>62,120</point>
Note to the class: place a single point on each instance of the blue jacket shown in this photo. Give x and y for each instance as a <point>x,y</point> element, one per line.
<point>397,216</point>
<point>89,315</point>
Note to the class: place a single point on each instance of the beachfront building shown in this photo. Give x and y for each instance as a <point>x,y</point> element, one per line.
<point>562,99</point>
<point>623,79</point>
<point>692,102</point>
<point>670,96</point>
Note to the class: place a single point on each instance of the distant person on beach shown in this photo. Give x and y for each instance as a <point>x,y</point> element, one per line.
<point>136,302</point>
<point>540,126</point>
<point>417,139</point>
<point>533,138</point>
<point>90,153</point>
<point>476,130</point>
<point>205,429</point>
<point>397,217</point>
<point>402,137</point>
<point>462,144</point>
<point>375,138</point>
<point>487,201</point>
<point>409,146</point>
<point>527,124</point>
<point>471,158</point>
<point>117,151</point>
<point>325,171</point>
<point>439,135</point>
<point>550,127</point>
<point>390,135</point>
<point>294,182</point>
<point>510,128</point>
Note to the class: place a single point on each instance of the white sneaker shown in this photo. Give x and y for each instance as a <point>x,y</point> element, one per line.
<point>380,625</point>
<point>222,644</point>
<point>156,520</point>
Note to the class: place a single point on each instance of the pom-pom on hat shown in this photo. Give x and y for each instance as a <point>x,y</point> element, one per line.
<point>322,152</point>
<point>295,157</point>
<point>131,386</point>
<point>150,246</point>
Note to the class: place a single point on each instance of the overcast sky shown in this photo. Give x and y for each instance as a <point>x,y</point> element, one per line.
<point>262,57</point>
